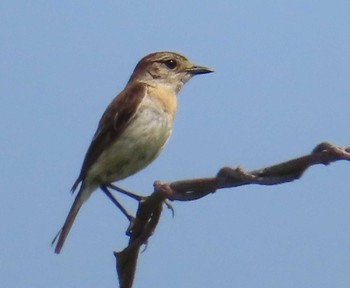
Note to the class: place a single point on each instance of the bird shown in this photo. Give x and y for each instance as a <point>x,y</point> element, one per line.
<point>134,128</point>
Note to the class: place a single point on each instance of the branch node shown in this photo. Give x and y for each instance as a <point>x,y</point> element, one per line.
<point>324,146</point>
<point>231,177</point>
<point>331,153</point>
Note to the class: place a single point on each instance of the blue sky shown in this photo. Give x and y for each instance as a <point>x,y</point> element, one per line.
<point>281,86</point>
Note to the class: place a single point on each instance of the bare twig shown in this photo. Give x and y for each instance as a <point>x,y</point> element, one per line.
<point>150,208</point>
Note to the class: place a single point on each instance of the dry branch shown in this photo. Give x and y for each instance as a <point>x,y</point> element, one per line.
<point>150,208</point>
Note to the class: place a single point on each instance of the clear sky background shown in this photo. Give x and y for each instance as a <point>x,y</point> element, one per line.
<point>280,87</point>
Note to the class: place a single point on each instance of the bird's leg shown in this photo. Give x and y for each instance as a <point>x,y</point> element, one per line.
<point>125,192</point>
<point>116,202</point>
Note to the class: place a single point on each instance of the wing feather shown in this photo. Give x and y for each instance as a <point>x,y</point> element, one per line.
<point>113,122</point>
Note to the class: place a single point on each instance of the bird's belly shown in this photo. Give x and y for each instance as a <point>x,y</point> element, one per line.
<point>137,146</point>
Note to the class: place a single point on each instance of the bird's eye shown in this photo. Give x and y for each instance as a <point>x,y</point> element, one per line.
<point>171,64</point>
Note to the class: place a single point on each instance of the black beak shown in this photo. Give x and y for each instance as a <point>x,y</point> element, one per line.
<point>196,70</point>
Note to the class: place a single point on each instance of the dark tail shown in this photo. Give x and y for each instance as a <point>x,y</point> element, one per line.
<point>61,236</point>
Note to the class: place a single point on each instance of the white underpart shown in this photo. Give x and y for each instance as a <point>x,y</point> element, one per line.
<point>141,142</point>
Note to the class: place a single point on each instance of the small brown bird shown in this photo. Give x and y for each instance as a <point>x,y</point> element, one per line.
<point>134,128</point>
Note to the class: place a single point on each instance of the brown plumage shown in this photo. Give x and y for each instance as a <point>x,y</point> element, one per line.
<point>133,129</point>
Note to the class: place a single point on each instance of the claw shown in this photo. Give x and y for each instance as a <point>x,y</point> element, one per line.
<point>145,245</point>
<point>169,206</point>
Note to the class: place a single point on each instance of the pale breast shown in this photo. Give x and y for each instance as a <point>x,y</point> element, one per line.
<point>141,142</point>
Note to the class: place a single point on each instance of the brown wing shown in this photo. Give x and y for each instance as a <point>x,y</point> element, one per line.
<point>113,122</point>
